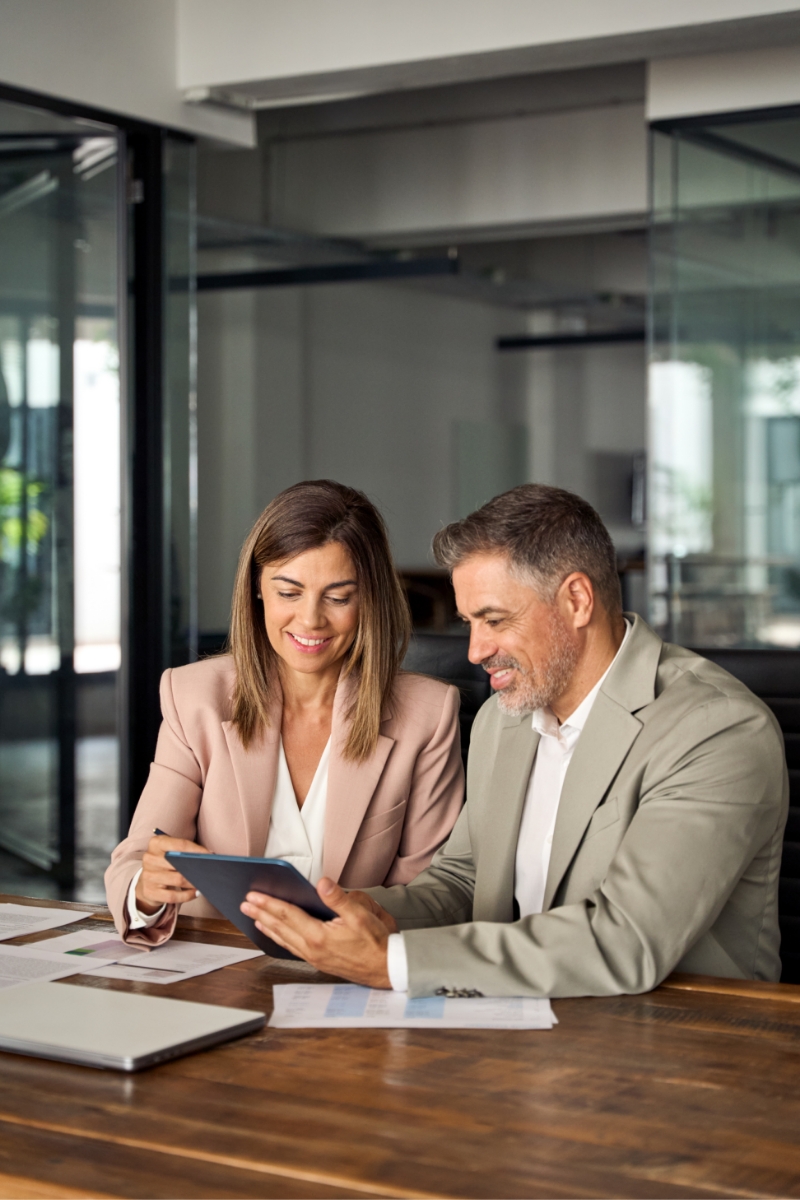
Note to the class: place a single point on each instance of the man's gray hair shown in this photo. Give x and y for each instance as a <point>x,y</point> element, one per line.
<point>546,533</point>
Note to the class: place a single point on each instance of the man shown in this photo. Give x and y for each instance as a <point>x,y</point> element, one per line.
<point>626,798</point>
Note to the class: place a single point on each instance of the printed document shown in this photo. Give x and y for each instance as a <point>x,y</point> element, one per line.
<point>26,964</point>
<point>107,956</point>
<point>18,920</point>
<point>346,1005</point>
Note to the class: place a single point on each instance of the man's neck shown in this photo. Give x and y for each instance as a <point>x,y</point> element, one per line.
<point>602,642</point>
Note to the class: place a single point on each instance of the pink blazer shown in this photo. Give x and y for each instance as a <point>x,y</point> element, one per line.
<point>384,819</point>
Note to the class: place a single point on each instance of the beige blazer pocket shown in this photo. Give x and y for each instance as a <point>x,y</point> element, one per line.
<point>607,814</point>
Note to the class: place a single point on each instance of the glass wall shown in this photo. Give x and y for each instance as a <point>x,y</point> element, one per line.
<point>60,547</point>
<point>724,383</point>
<point>97,479</point>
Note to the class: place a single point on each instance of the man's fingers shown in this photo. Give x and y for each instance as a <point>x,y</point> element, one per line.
<point>371,906</point>
<point>289,926</point>
<point>347,905</point>
<point>331,894</point>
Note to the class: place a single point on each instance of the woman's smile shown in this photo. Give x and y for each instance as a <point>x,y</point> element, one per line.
<point>307,645</point>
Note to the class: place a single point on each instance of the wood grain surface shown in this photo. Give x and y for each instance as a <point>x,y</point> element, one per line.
<point>691,1090</point>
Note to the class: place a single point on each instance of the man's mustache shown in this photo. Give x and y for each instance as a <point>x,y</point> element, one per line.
<point>500,662</point>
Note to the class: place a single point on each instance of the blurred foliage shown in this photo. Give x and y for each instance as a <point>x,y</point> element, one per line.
<point>13,487</point>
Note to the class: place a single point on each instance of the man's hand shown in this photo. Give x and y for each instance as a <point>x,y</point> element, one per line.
<point>159,882</point>
<point>353,945</point>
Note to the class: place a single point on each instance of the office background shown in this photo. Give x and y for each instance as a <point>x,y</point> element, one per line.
<point>431,255</point>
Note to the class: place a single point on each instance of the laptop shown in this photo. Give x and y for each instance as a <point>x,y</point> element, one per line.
<point>119,1031</point>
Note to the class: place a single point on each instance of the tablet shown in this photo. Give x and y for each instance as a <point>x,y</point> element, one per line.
<point>225,880</point>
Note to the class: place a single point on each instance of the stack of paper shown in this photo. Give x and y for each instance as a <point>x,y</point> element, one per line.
<point>19,920</point>
<point>345,1005</point>
<point>107,956</point>
<point>28,964</point>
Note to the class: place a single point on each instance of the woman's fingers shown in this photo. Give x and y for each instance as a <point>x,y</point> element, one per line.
<point>160,883</point>
<point>160,844</point>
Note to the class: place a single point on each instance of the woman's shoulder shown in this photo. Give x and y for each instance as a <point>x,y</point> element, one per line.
<point>208,683</point>
<point>420,699</point>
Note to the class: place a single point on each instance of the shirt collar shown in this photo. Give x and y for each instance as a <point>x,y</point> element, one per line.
<point>544,719</point>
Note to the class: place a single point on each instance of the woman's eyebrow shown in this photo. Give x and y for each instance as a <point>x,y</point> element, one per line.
<point>328,586</point>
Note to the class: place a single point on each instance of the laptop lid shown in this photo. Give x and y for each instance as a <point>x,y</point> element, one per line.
<point>120,1031</point>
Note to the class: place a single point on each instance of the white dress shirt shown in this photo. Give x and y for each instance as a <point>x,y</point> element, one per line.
<point>553,755</point>
<point>295,834</point>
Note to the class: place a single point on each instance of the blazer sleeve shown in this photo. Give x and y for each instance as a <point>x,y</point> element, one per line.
<point>436,796</point>
<point>698,826</point>
<point>170,801</point>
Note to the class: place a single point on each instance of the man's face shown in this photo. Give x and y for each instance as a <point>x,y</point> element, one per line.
<point>524,643</point>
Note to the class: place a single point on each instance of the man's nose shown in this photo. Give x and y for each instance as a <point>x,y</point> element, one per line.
<point>481,646</point>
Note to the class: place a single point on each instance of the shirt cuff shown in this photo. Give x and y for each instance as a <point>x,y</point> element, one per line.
<point>136,919</point>
<point>397,962</point>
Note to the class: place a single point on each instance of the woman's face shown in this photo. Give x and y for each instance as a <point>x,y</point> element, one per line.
<point>311,608</point>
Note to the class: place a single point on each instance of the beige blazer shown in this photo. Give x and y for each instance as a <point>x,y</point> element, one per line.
<point>666,849</point>
<point>384,817</point>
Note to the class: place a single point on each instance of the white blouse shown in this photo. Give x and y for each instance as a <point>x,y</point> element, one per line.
<point>295,834</point>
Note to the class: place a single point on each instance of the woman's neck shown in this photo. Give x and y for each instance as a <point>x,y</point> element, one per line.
<point>309,693</point>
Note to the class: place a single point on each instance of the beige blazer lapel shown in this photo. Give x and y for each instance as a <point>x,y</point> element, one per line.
<point>499,832</point>
<point>351,785</point>
<point>608,735</point>
<point>255,771</point>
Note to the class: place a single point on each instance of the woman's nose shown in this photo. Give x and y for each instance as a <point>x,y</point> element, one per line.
<point>312,614</point>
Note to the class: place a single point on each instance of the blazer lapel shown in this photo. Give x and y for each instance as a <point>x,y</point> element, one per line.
<point>610,731</point>
<point>501,816</point>
<point>605,741</point>
<point>255,771</point>
<point>351,785</point>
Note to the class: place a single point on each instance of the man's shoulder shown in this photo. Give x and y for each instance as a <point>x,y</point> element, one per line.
<point>683,676</point>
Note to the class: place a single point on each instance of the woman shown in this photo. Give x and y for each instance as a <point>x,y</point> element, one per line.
<point>306,742</point>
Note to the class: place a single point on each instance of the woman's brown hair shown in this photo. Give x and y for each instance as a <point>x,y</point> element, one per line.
<point>304,517</point>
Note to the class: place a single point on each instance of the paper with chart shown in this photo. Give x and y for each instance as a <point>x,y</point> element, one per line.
<point>170,963</point>
<point>345,1005</point>
<point>28,964</point>
<point>18,920</point>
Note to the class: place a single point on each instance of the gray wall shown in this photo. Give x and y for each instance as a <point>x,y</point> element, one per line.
<point>367,384</point>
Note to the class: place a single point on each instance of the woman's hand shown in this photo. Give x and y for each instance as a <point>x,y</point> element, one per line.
<point>159,882</point>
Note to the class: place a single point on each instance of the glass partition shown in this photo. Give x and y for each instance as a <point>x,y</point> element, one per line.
<point>724,383</point>
<point>59,491</point>
<point>97,479</point>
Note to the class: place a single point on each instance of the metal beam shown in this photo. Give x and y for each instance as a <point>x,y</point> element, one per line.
<point>353,272</point>
<point>550,341</point>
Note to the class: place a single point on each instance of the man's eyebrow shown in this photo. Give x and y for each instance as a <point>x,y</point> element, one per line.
<point>328,586</point>
<point>482,612</point>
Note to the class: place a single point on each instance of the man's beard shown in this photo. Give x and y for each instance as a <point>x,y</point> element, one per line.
<point>538,688</point>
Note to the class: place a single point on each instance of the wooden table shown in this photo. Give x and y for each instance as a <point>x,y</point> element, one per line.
<point>692,1090</point>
